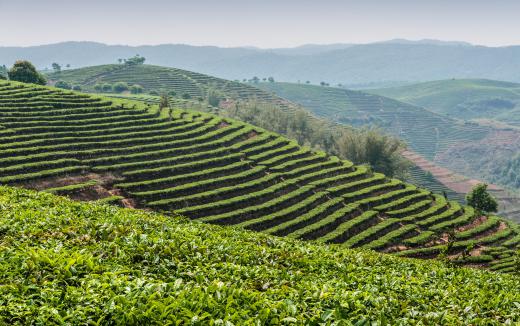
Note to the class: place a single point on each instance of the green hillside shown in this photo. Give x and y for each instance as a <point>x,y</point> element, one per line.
<point>463,98</point>
<point>66,262</point>
<point>163,79</point>
<point>425,132</point>
<point>226,172</point>
<point>443,140</point>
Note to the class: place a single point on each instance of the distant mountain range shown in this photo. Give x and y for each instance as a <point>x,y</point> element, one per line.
<point>382,63</point>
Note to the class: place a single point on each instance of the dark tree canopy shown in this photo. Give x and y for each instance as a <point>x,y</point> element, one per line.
<point>25,72</point>
<point>480,199</point>
<point>56,67</point>
<point>63,84</point>
<point>136,89</point>
<point>135,60</point>
<point>120,87</point>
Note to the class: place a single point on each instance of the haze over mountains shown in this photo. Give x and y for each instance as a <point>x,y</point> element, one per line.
<point>394,61</point>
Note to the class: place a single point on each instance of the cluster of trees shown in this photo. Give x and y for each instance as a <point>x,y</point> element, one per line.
<point>361,146</point>
<point>66,85</point>
<point>135,60</point>
<point>119,87</point>
<point>256,80</point>
<point>57,67</point>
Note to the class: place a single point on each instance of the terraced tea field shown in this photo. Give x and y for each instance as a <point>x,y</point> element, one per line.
<point>226,172</point>
<point>165,79</point>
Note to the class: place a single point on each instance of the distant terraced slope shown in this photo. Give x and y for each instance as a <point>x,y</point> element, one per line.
<point>157,78</point>
<point>426,133</point>
<point>463,98</point>
<point>226,172</point>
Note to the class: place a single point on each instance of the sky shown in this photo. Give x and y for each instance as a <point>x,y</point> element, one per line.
<point>260,23</point>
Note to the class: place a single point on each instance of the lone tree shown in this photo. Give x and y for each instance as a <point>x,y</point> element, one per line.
<point>135,60</point>
<point>25,72</point>
<point>480,199</point>
<point>56,67</point>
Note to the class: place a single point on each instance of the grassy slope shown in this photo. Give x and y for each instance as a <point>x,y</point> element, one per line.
<point>463,98</point>
<point>76,263</point>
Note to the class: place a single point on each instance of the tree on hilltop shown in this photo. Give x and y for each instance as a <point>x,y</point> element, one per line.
<point>25,72</point>
<point>480,199</point>
<point>56,67</point>
<point>135,60</point>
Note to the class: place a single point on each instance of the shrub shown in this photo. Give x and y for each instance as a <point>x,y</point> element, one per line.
<point>98,87</point>
<point>480,199</point>
<point>62,84</point>
<point>120,87</point>
<point>76,88</point>
<point>106,87</point>
<point>186,96</point>
<point>136,89</point>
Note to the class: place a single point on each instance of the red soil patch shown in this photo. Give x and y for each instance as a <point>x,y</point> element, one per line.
<point>223,124</point>
<point>55,182</point>
<point>473,224</point>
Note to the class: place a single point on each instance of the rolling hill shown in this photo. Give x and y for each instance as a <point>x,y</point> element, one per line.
<point>414,124</point>
<point>163,79</point>
<point>471,149</point>
<point>226,172</point>
<point>368,64</point>
<point>463,98</point>
<point>66,262</point>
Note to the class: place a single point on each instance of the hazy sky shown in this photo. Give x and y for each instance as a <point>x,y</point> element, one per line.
<point>263,23</point>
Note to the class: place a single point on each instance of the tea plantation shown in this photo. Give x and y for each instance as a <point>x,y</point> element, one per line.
<point>65,262</point>
<point>226,172</point>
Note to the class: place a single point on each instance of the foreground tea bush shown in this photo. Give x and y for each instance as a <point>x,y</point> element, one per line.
<point>77,263</point>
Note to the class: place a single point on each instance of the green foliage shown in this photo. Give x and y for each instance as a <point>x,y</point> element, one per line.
<point>56,67</point>
<point>76,88</point>
<point>106,87</point>
<point>213,99</point>
<point>186,96</point>
<point>63,84</point>
<point>3,72</point>
<point>164,102</point>
<point>25,72</point>
<point>118,266</point>
<point>480,199</point>
<point>135,60</point>
<point>120,87</point>
<point>136,89</point>
<point>372,147</point>
<point>223,171</point>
